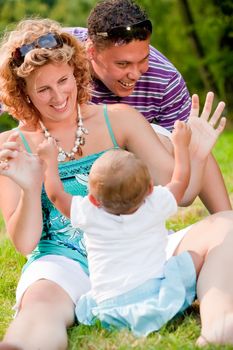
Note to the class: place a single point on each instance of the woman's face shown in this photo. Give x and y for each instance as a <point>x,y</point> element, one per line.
<point>53,91</point>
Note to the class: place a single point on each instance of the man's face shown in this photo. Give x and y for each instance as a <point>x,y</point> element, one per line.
<point>119,67</point>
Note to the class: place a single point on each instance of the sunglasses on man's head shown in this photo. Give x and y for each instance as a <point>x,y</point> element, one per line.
<point>133,31</point>
<point>47,41</point>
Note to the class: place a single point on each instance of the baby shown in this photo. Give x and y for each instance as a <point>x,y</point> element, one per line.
<point>133,285</point>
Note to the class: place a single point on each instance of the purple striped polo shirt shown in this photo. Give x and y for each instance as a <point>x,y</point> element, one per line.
<point>160,94</point>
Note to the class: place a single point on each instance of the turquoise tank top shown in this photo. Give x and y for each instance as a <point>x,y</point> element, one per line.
<point>58,236</point>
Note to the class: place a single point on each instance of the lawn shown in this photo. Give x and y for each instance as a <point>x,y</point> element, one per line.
<point>178,334</point>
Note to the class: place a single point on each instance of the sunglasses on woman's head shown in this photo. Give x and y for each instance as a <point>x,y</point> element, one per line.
<point>128,32</point>
<point>47,41</point>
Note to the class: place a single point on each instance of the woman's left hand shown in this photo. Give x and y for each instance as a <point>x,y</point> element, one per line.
<point>206,128</point>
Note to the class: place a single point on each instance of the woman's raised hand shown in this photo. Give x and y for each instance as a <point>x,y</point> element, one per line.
<point>206,128</point>
<point>23,168</point>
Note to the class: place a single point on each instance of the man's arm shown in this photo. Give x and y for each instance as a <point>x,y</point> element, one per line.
<point>214,194</point>
<point>176,103</point>
<point>213,191</point>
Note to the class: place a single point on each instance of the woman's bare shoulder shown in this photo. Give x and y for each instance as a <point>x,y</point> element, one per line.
<point>116,107</point>
<point>123,111</point>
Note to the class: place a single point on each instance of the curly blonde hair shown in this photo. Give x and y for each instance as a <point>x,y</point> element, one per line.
<point>12,82</point>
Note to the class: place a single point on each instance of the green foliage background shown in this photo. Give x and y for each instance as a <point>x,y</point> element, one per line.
<point>197,36</point>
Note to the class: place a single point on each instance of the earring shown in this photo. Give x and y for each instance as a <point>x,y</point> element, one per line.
<point>28,99</point>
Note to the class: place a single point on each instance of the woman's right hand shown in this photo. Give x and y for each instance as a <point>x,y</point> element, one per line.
<point>25,169</point>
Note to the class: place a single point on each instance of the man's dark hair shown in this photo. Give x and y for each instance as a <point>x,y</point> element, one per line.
<point>108,14</point>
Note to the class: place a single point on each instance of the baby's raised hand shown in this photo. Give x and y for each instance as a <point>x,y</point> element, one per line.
<point>181,134</point>
<point>48,150</point>
<point>206,128</point>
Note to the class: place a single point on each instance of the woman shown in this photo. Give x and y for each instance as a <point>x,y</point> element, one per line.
<point>44,84</point>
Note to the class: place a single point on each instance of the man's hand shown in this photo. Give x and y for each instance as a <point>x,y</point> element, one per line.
<point>206,128</point>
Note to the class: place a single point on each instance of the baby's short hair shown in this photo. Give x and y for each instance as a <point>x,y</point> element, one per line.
<point>119,181</point>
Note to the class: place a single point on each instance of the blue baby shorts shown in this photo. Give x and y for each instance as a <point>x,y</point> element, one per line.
<point>149,306</point>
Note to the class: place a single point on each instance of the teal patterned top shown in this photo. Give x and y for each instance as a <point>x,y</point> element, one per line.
<point>58,236</point>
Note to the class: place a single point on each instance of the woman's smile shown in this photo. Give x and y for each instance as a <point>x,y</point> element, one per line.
<point>60,107</point>
<point>53,91</point>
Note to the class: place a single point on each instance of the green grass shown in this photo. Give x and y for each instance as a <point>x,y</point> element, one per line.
<point>223,151</point>
<point>180,333</point>
<point>11,263</point>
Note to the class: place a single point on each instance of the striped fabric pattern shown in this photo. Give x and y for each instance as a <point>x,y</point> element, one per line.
<point>160,94</point>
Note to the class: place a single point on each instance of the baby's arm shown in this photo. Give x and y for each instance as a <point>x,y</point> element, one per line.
<point>48,152</point>
<point>181,137</point>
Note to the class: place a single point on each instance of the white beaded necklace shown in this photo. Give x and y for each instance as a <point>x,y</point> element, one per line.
<point>78,143</point>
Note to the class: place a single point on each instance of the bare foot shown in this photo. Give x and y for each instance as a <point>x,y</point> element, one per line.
<point>220,332</point>
<point>201,341</point>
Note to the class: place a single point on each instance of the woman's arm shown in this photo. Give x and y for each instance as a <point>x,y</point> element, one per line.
<point>20,195</point>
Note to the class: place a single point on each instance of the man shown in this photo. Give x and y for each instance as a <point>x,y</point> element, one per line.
<point>126,69</point>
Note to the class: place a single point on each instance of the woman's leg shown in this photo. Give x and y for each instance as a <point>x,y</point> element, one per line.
<point>212,239</point>
<point>45,313</point>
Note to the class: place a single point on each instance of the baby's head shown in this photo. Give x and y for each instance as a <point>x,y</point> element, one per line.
<point>119,182</point>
